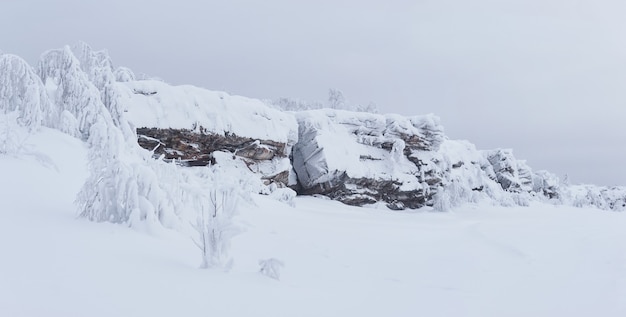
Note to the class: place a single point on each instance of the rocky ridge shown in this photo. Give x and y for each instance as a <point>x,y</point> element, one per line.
<point>353,157</point>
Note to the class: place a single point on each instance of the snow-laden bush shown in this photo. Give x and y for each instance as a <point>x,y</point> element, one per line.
<point>606,198</point>
<point>216,202</point>
<point>271,268</point>
<point>12,138</point>
<point>449,196</point>
<point>126,185</point>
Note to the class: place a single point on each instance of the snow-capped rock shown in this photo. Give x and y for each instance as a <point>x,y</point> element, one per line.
<point>363,158</point>
<point>607,198</point>
<point>189,124</point>
<point>512,174</point>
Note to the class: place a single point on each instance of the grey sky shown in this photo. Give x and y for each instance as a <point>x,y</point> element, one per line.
<point>544,77</point>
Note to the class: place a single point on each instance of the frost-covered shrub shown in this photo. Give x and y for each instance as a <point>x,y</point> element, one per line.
<point>451,195</point>
<point>109,193</point>
<point>215,202</point>
<point>12,136</point>
<point>271,268</point>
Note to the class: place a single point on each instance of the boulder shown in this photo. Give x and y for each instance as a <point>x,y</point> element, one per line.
<point>362,158</point>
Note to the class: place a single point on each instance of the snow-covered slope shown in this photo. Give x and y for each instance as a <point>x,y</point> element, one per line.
<point>479,260</point>
<point>158,105</point>
<point>357,158</point>
<point>70,152</point>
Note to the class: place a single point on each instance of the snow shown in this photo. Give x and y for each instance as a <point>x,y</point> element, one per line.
<point>156,104</point>
<point>295,256</point>
<point>477,260</point>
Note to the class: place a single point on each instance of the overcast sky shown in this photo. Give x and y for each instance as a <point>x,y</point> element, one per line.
<point>546,78</point>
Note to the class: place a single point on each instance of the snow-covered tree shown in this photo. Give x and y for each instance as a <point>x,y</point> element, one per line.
<point>214,223</point>
<point>289,104</point>
<point>22,91</point>
<point>96,64</point>
<point>336,100</point>
<point>101,197</point>
<point>71,89</point>
<point>123,74</point>
<point>369,108</point>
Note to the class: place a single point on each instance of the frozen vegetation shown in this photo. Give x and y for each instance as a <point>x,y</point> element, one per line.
<point>211,182</point>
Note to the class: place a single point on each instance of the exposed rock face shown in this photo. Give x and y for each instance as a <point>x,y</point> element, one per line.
<point>196,148</point>
<point>356,158</point>
<point>362,158</point>
<point>512,174</point>
<point>190,124</point>
<point>546,184</point>
<point>353,157</point>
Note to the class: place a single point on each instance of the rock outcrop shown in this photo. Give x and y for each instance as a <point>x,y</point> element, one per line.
<point>196,148</point>
<point>353,157</point>
<point>189,125</point>
<point>470,175</point>
<point>362,158</point>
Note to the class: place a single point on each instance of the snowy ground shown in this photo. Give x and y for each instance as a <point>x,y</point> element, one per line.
<point>339,261</point>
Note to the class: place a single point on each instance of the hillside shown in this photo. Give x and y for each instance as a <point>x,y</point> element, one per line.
<point>357,158</point>
<point>369,214</point>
